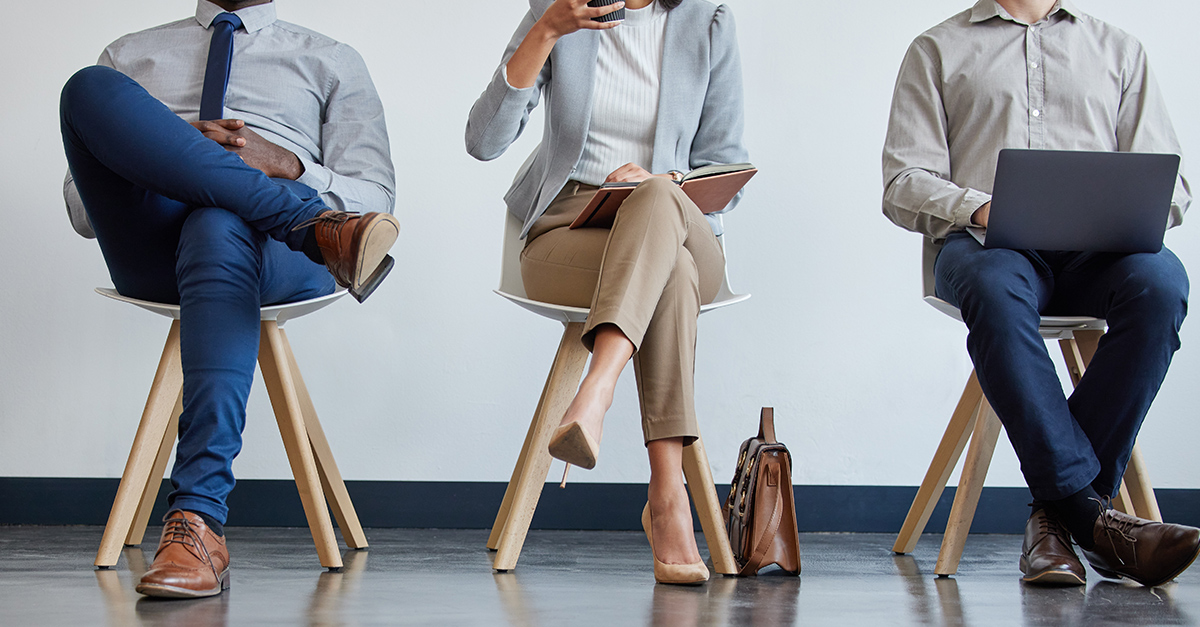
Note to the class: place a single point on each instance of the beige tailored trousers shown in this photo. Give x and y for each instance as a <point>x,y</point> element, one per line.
<point>647,275</point>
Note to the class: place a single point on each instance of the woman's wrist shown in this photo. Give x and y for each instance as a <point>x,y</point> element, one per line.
<point>543,33</point>
<point>523,67</point>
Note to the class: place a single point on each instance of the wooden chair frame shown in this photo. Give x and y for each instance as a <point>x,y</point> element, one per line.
<point>311,459</point>
<point>533,465</point>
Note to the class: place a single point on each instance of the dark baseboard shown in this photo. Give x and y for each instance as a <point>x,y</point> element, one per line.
<point>472,505</point>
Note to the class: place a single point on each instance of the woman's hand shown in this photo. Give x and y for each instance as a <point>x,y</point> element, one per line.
<point>567,16</point>
<point>631,173</point>
<point>562,18</point>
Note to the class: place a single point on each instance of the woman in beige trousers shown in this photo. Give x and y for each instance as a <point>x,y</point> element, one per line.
<point>636,100</point>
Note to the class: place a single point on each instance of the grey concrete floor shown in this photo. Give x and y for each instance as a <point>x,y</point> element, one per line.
<point>426,576</point>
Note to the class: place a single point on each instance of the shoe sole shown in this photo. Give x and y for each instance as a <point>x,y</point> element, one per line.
<point>378,237</point>
<point>574,446</point>
<point>1051,577</point>
<point>368,287</point>
<point>1149,584</point>
<point>172,592</point>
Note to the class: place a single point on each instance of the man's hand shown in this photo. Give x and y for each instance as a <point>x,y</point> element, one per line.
<point>980,217</point>
<point>274,161</point>
<point>630,173</point>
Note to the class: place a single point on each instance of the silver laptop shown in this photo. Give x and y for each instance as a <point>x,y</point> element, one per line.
<point>1075,200</point>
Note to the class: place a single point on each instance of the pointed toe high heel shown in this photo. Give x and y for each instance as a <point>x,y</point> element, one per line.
<point>692,574</point>
<point>572,444</point>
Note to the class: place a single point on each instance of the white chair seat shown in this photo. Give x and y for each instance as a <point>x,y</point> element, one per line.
<point>513,288</point>
<point>279,313</point>
<point>1051,327</point>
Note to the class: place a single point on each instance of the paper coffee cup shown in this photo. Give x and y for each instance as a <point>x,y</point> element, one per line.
<point>615,16</point>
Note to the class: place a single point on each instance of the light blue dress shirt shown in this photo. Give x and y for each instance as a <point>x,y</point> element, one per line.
<point>298,89</point>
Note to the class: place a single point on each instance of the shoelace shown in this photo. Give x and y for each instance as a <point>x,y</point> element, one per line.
<point>1121,523</point>
<point>336,217</point>
<point>181,531</point>
<point>1051,527</point>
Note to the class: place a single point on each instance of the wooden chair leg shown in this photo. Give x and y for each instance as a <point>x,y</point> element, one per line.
<point>518,470</point>
<point>150,495</point>
<point>331,478</point>
<point>1141,494</point>
<point>704,493</point>
<point>168,381</point>
<point>944,460</point>
<point>530,475</point>
<point>1076,364</point>
<point>970,486</point>
<point>1122,501</point>
<point>277,374</point>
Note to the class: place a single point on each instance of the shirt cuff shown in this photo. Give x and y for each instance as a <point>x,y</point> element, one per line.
<point>971,202</point>
<point>514,90</point>
<point>315,175</point>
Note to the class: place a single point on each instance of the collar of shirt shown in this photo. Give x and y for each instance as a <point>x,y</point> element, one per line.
<point>253,18</point>
<point>987,9</point>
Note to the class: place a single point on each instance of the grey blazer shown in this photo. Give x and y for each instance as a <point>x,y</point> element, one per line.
<point>699,111</point>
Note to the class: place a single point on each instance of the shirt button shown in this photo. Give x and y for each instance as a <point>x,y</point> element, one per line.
<point>1037,113</point>
<point>1033,65</point>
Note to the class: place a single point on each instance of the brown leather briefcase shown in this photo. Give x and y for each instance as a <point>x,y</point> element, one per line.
<point>760,513</point>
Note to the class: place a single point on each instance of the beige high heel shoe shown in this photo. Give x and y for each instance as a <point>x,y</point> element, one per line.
<point>692,574</point>
<point>572,444</point>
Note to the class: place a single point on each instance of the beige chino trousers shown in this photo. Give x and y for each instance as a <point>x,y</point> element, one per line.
<point>647,275</point>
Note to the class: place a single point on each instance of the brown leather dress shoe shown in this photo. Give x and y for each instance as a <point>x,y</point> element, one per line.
<point>1150,553</point>
<point>191,560</point>
<point>355,248</point>
<point>1046,555</point>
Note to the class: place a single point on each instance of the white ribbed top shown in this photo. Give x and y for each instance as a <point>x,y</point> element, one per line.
<point>625,96</point>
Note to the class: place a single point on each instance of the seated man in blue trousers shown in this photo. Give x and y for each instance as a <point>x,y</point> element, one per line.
<point>1042,74</point>
<point>225,162</point>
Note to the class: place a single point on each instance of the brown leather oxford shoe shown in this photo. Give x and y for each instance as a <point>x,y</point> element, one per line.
<point>1046,555</point>
<point>191,560</point>
<point>355,248</point>
<point>1150,553</point>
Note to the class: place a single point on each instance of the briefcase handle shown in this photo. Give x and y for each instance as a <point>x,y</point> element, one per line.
<point>766,425</point>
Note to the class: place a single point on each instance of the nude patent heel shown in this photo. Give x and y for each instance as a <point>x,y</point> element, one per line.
<point>692,574</point>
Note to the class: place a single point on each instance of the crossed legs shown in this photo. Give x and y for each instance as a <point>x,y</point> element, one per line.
<point>1067,444</point>
<point>644,281</point>
<point>180,219</point>
<point>1073,450</point>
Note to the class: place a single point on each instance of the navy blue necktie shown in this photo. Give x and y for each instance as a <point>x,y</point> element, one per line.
<point>216,74</point>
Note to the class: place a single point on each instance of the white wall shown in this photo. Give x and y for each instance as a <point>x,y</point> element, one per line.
<point>863,375</point>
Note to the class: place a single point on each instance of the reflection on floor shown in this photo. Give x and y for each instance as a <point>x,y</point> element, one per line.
<point>427,576</point>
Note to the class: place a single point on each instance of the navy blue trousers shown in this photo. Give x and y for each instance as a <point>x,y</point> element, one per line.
<point>1066,443</point>
<point>181,220</point>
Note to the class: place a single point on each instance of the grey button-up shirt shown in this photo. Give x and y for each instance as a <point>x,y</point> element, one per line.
<point>983,81</point>
<point>297,88</point>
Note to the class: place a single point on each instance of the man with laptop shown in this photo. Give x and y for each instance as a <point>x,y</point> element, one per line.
<point>1041,75</point>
